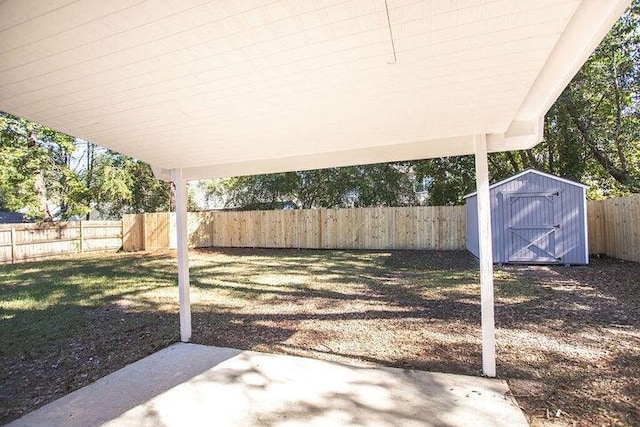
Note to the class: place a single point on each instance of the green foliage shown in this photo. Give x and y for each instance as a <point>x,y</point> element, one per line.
<point>319,188</point>
<point>450,178</point>
<point>258,191</point>
<point>601,111</point>
<point>388,184</point>
<point>35,173</point>
<point>385,184</point>
<point>120,184</point>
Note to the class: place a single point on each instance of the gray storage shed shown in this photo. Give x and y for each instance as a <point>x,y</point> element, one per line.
<point>536,218</point>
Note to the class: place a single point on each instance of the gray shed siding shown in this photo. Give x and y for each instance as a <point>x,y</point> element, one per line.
<point>533,208</point>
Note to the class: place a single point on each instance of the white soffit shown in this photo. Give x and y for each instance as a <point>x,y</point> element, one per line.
<point>234,87</point>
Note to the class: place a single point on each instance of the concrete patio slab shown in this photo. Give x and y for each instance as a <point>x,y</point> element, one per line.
<point>195,385</point>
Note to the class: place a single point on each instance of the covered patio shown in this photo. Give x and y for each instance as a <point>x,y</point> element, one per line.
<point>203,89</point>
<point>190,384</point>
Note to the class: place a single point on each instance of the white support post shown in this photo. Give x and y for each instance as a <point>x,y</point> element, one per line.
<point>183,254</point>
<point>486,258</point>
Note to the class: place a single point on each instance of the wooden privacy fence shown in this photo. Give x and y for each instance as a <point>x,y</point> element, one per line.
<point>614,227</point>
<point>21,242</point>
<point>614,230</point>
<point>418,227</point>
<point>149,231</point>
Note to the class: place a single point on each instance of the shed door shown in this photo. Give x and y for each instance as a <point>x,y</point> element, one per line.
<point>532,226</point>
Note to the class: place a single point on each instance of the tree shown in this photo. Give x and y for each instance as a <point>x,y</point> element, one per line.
<point>388,184</point>
<point>384,184</point>
<point>35,172</point>
<point>120,184</point>
<point>259,191</point>
<point>450,178</point>
<point>602,110</point>
<point>320,188</point>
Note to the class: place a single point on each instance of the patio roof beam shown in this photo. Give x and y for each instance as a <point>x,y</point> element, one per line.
<point>183,254</point>
<point>521,135</point>
<point>486,258</point>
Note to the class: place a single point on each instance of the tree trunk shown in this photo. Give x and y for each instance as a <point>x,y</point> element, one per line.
<point>620,175</point>
<point>40,191</point>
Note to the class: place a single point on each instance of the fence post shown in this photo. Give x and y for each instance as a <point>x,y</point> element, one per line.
<point>81,236</point>
<point>144,231</point>
<point>13,245</point>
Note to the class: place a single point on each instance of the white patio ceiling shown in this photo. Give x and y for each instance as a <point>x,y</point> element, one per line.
<point>222,88</point>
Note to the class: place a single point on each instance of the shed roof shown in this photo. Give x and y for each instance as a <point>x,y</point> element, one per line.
<point>532,171</point>
<point>221,88</point>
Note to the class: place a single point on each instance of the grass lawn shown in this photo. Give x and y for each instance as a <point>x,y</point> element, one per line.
<point>568,338</point>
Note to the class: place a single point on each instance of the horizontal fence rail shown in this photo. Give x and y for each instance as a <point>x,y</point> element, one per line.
<point>418,227</point>
<point>22,242</point>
